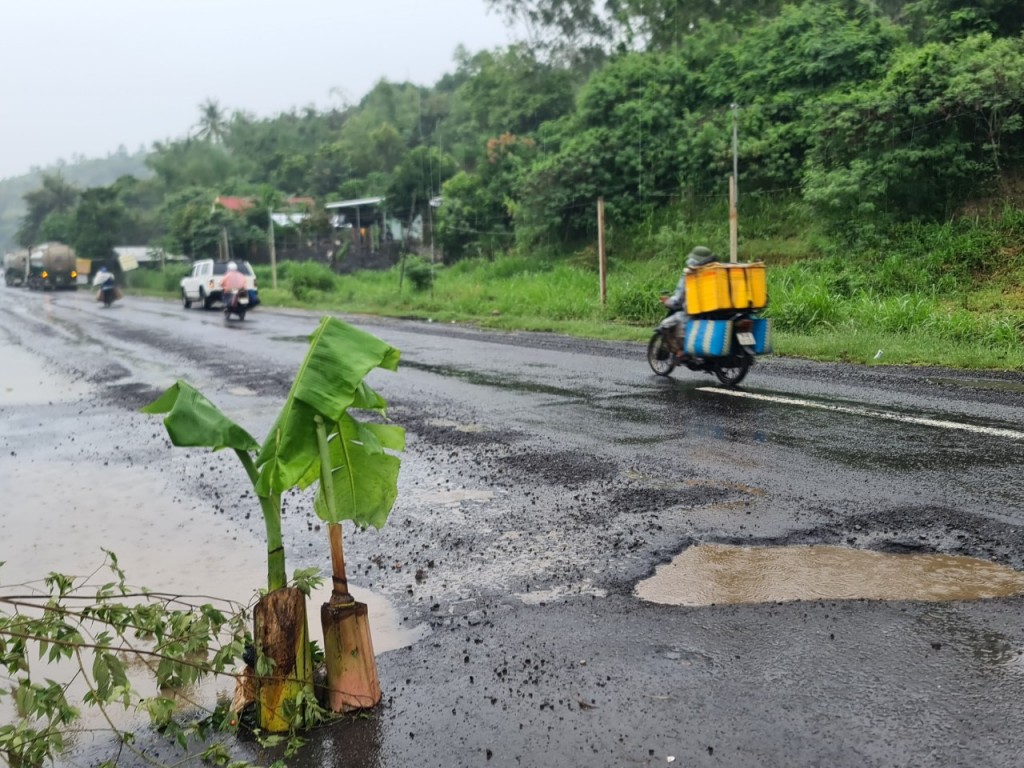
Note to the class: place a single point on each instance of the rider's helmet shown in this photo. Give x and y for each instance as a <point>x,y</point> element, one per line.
<point>700,256</point>
<point>232,267</point>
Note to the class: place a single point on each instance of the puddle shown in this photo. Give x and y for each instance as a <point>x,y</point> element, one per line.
<point>59,516</point>
<point>717,574</point>
<point>25,379</point>
<point>242,391</point>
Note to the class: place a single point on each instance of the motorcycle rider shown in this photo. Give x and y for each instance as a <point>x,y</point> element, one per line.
<point>698,257</point>
<point>102,277</point>
<point>232,282</point>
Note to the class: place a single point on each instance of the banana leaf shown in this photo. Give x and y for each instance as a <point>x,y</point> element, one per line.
<point>192,420</point>
<point>365,478</point>
<point>329,381</point>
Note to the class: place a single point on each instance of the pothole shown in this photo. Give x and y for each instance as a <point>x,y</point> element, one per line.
<point>717,574</point>
<point>66,514</point>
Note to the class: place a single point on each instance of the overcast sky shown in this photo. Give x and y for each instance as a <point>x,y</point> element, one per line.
<point>84,76</point>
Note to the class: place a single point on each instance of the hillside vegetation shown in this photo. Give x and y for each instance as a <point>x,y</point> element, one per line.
<point>879,154</point>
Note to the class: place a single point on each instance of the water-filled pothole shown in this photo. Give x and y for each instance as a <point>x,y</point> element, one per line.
<point>716,574</point>
<point>60,516</point>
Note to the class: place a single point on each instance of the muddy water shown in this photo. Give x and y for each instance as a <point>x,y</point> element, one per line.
<point>715,574</point>
<point>60,516</point>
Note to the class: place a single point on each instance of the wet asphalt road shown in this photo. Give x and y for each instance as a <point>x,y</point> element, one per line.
<point>546,476</point>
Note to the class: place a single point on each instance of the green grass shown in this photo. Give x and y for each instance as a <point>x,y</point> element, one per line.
<point>945,294</point>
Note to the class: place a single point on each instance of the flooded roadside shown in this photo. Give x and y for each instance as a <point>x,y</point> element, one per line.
<point>61,512</point>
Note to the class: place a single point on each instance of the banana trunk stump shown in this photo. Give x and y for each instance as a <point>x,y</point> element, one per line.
<point>282,634</point>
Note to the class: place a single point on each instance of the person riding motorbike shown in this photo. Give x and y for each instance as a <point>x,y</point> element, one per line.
<point>103,282</point>
<point>232,283</point>
<point>102,277</point>
<point>698,257</point>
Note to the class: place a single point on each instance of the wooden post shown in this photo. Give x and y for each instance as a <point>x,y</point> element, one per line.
<point>602,262</point>
<point>733,222</point>
<point>273,248</point>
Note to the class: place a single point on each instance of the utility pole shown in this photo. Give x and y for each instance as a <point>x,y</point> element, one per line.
<point>734,192</point>
<point>273,248</point>
<point>602,261</point>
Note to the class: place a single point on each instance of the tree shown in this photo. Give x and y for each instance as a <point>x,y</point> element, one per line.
<point>941,124</point>
<point>505,91</point>
<point>181,164</point>
<point>568,31</point>
<point>478,210</point>
<point>55,195</point>
<point>418,178</point>
<point>623,143</point>
<point>212,126</point>
<point>188,222</point>
<point>98,222</point>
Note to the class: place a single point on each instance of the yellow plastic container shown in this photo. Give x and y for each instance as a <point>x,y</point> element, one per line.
<point>707,289</point>
<point>757,285</point>
<point>726,286</point>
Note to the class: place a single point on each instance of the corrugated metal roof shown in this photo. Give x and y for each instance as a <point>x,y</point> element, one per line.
<point>356,203</point>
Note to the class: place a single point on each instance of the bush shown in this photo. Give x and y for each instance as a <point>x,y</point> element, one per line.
<point>636,302</point>
<point>420,273</point>
<point>309,276</point>
<point>154,279</point>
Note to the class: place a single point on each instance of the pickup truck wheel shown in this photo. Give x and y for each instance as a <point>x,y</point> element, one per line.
<point>207,301</point>
<point>186,302</point>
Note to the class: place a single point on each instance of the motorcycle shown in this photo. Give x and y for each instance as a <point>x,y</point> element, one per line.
<point>236,303</point>
<point>108,293</point>
<point>722,343</point>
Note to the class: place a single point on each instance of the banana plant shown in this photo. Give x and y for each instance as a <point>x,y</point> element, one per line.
<point>314,439</point>
<point>362,475</point>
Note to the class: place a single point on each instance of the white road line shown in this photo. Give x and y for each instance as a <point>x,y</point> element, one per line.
<point>993,431</point>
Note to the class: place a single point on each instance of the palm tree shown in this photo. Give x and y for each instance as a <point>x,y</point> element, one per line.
<point>212,125</point>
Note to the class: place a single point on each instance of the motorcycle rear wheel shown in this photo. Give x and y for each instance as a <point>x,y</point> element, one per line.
<point>733,371</point>
<point>659,356</point>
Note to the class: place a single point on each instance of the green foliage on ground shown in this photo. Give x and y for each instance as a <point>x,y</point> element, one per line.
<point>107,632</point>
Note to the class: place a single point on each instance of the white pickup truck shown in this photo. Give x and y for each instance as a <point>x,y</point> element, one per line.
<point>204,283</point>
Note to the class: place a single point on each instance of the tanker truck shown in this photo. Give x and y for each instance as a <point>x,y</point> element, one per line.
<point>15,268</point>
<point>52,265</point>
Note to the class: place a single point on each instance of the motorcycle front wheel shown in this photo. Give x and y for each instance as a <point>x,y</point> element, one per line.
<point>659,356</point>
<point>733,371</point>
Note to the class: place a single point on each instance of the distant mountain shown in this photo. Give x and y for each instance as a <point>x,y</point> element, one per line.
<point>84,173</point>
